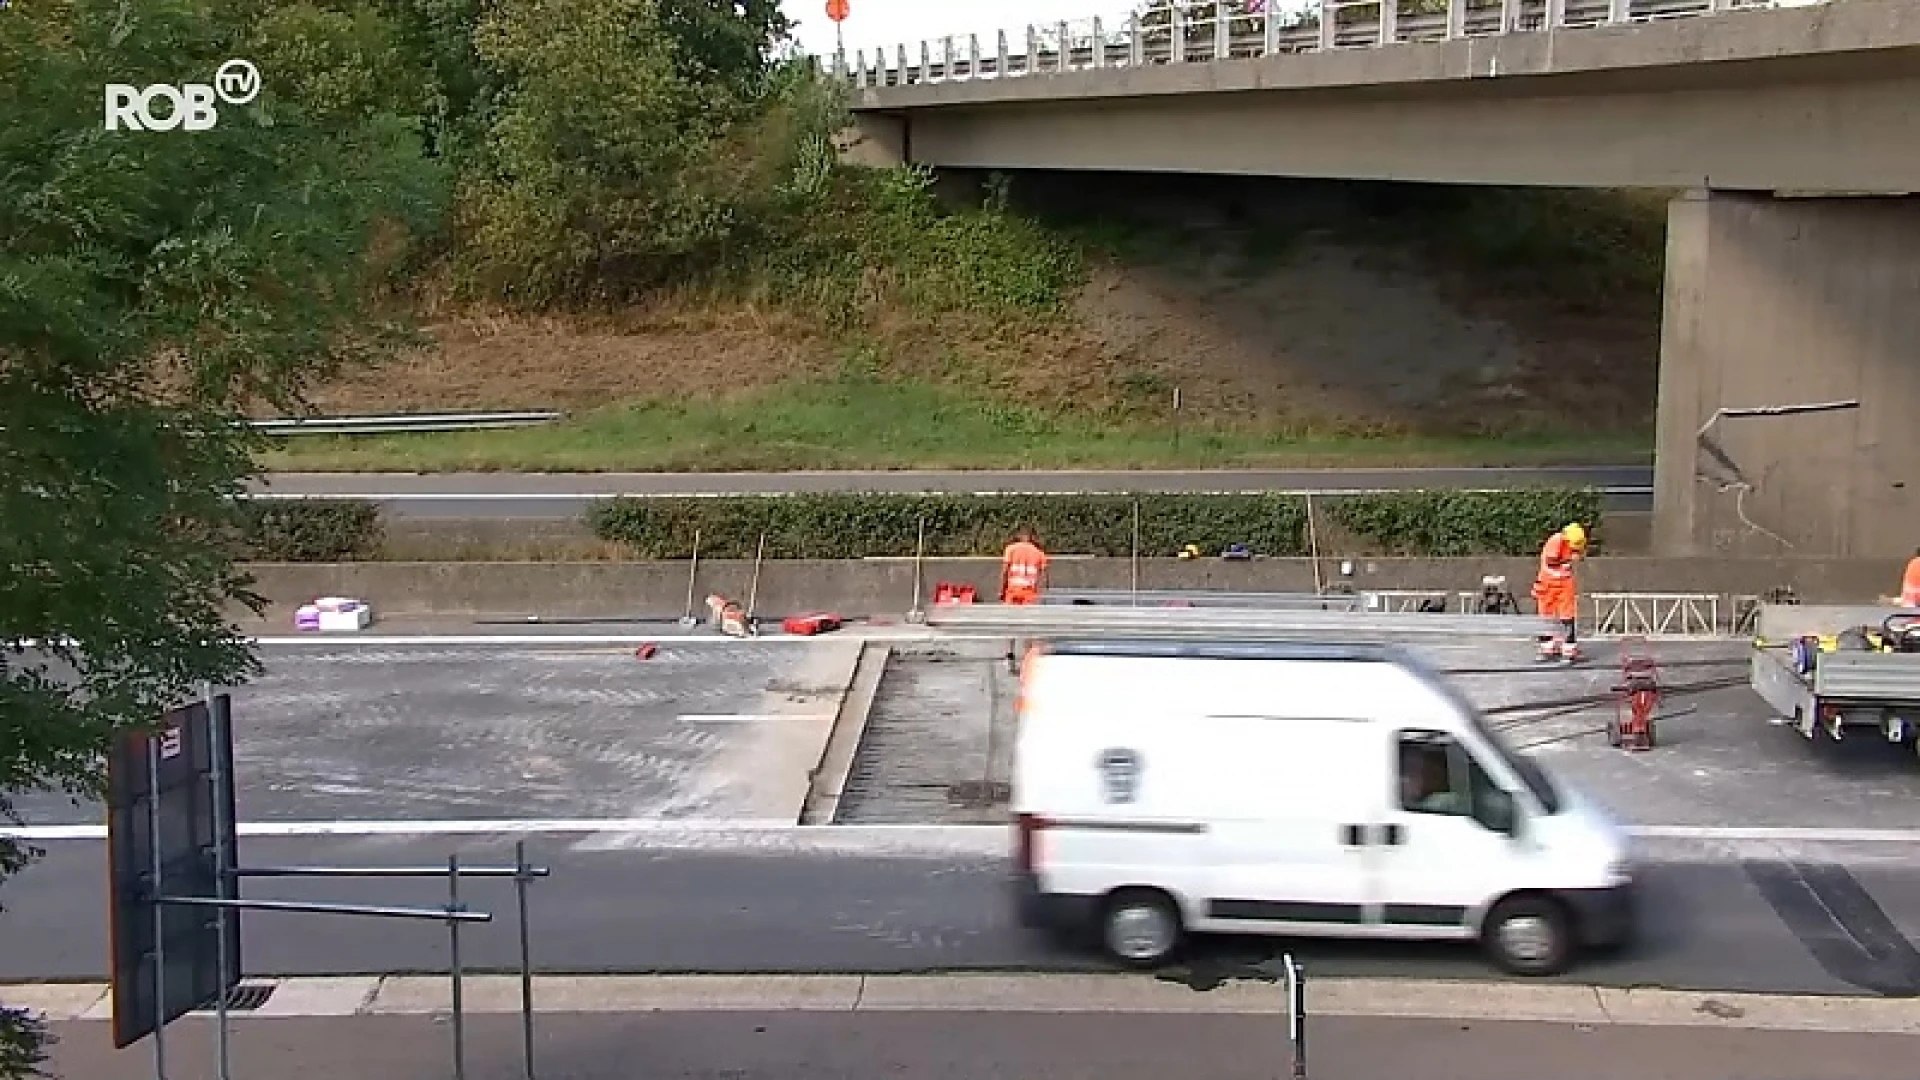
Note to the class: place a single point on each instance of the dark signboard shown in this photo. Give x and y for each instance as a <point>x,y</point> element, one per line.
<point>181,754</point>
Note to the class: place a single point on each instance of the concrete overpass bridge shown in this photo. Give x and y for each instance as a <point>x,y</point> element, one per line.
<point>1793,132</point>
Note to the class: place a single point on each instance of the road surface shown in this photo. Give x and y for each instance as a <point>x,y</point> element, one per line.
<point>357,753</point>
<point>947,1045</point>
<point>549,496</point>
<point>1820,922</point>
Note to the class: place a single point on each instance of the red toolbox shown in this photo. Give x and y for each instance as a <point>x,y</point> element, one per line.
<point>946,592</point>
<point>818,622</point>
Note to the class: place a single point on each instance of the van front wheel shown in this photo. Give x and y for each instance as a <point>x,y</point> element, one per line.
<point>1140,928</point>
<point>1528,935</point>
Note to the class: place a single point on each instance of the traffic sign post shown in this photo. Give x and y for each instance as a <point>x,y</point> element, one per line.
<point>838,10</point>
<point>173,885</point>
<point>169,832</point>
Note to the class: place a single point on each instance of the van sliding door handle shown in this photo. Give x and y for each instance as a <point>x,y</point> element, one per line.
<point>1353,835</point>
<point>1393,835</point>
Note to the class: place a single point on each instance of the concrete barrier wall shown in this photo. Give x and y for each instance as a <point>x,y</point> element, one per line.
<point>886,586</point>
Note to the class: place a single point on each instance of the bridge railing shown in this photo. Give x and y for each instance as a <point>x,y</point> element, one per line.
<point>1199,31</point>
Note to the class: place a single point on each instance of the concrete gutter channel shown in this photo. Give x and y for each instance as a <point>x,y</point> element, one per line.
<point>828,780</point>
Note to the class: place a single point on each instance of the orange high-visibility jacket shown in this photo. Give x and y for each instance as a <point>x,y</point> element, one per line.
<point>1020,570</point>
<point>1553,587</point>
<point>1910,584</point>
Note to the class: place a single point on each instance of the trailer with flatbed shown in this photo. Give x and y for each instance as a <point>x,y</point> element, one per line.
<point>1840,672</point>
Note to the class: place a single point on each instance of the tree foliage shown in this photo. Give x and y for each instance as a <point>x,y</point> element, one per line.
<point>155,284</point>
<point>151,284</point>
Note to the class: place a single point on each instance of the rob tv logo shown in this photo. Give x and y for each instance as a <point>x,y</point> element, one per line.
<point>193,106</point>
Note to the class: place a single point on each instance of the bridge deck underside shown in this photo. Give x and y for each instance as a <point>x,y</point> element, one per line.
<point>1759,131</point>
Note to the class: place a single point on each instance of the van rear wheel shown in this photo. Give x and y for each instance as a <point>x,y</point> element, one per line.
<point>1140,928</point>
<point>1528,935</point>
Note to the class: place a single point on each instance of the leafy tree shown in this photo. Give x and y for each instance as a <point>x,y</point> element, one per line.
<point>151,285</point>
<point>624,150</point>
<point>725,43</point>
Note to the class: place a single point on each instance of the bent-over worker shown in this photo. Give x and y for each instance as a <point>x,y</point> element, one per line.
<point>1023,570</point>
<point>1910,582</point>
<point>1556,594</point>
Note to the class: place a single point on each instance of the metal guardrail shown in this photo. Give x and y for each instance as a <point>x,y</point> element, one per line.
<point>1198,31</point>
<point>400,424</point>
<point>1040,620</point>
<point>1162,599</point>
<point>1373,615</point>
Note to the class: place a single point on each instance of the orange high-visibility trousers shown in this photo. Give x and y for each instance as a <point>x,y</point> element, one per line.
<point>1557,597</point>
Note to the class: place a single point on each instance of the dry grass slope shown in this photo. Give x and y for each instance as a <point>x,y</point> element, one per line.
<point>1282,312</point>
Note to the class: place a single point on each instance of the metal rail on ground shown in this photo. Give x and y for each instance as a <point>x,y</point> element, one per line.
<point>1199,598</point>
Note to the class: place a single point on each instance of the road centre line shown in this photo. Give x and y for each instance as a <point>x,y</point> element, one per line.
<point>1031,993</point>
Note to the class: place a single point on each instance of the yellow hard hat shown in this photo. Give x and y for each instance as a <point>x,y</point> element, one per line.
<point>1576,534</point>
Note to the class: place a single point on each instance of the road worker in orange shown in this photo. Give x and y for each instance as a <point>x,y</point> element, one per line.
<point>1910,582</point>
<point>1023,570</point>
<point>1556,594</point>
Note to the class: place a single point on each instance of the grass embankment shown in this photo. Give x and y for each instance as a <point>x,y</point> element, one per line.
<point>1047,325</point>
<point>903,425</point>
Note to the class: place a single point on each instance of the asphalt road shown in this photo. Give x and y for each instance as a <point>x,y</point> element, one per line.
<point>1712,922</point>
<point>989,1046</point>
<point>565,495</point>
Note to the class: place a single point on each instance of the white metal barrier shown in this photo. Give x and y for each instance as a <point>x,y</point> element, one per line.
<point>1654,614</point>
<point>1199,31</point>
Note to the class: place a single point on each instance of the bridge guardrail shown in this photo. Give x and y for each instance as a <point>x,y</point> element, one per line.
<point>1198,31</point>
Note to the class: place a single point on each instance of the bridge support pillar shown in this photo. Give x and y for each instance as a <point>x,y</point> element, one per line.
<point>1790,302</point>
<point>876,140</point>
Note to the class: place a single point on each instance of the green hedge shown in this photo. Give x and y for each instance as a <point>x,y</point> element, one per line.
<point>310,531</point>
<point>1452,523</point>
<point>830,526</point>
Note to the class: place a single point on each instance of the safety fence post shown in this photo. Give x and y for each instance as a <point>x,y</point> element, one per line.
<point>456,971</point>
<point>1296,986</point>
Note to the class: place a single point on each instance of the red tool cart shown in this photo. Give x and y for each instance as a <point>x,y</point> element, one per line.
<point>1631,727</point>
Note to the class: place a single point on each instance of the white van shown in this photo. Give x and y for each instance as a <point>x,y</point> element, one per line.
<point>1166,788</point>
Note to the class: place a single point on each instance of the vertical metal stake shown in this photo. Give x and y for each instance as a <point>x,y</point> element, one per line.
<point>753,590</point>
<point>453,965</point>
<point>223,860</point>
<point>1136,554</point>
<point>521,876</point>
<point>1313,545</point>
<point>919,569</point>
<point>159,912</point>
<point>693,578</point>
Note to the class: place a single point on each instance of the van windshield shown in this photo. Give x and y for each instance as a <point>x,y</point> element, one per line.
<point>1524,767</point>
